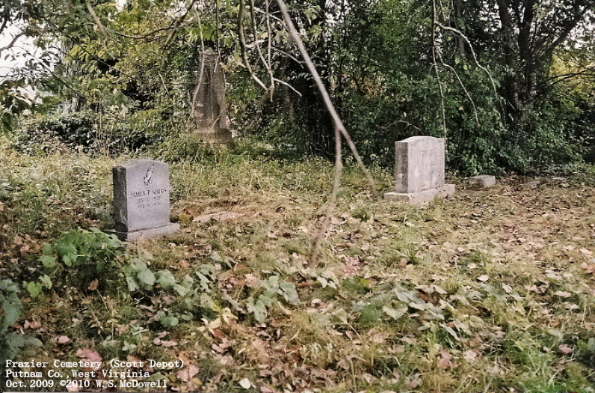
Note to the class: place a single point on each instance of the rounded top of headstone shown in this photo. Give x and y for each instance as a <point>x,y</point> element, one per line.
<point>418,137</point>
<point>137,162</point>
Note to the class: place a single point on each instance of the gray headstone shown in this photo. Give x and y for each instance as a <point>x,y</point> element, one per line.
<point>210,107</point>
<point>419,170</point>
<point>532,183</point>
<point>141,199</point>
<point>484,181</point>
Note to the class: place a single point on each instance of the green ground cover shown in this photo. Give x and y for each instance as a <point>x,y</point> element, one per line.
<point>487,291</point>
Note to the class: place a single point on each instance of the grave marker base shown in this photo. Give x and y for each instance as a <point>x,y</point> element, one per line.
<point>147,233</point>
<point>423,197</point>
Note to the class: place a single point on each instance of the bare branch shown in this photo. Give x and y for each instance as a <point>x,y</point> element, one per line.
<point>326,98</point>
<point>163,82</point>
<point>14,40</point>
<point>288,85</point>
<point>95,18</point>
<point>243,46</point>
<point>333,199</point>
<point>143,36</point>
<point>268,14</point>
<point>400,121</point>
<point>435,66</point>
<point>269,32</point>
<point>464,37</point>
<point>287,54</point>
<point>202,67</point>
<point>266,64</point>
<point>217,26</point>
<point>339,127</point>
<point>587,72</point>
<point>462,85</point>
<point>269,48</point>
<point>441,101</point>
<point>178,22</point>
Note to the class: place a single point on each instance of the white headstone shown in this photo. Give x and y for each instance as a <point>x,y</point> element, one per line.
<point>419,170</point>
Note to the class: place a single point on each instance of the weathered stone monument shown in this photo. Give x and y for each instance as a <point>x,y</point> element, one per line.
<point>141,200</point>
<point>420,170</point>
<point>483,181</point>
<point>209,109</point>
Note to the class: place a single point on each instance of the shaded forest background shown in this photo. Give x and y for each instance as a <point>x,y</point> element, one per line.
<point>509,83</point>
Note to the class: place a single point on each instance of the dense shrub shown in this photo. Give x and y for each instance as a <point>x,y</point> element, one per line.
<point>79,131</point>
<point>42,134</point>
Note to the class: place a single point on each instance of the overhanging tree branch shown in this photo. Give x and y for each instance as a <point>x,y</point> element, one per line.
<point>12,42</point>
<point>326,98</point>
<point>201,72</point>
<point>565,33</point>
<point>174,25</point>
<point>435,66</point>
<point>267,65</point>
<point>95,18</point>
<point>587,72</point>
<point>242,39</point>
<point>456,74</point>
<point>464,37</point>
<point>340,130</point>
<point>178,22</point>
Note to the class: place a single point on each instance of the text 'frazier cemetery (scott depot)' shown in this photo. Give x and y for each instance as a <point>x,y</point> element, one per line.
<point>87,374</point>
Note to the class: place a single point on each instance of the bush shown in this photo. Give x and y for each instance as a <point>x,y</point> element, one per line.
<point>185,146</point>
<point>80,131</point>
<point>71,132</point>
<point>91,254</point>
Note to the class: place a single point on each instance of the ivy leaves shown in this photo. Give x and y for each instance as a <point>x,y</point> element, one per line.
<point>273,288</point>
<point>12,308</point>
<point>89,253</point>
<point>10,303</point>
<point>138,275</point>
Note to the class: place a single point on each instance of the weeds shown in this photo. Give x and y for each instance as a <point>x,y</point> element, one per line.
<point>485,291</point>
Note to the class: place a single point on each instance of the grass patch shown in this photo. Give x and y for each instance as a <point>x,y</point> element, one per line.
<point>488,290</point>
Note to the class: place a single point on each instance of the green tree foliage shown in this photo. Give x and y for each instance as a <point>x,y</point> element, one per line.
<point>116,66</point>
<point>136,68</point>
<point>520,40</point>
<point>459,71</point>
<point>390,87</point>
<point>495,77</point>
<point>13,99</point>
